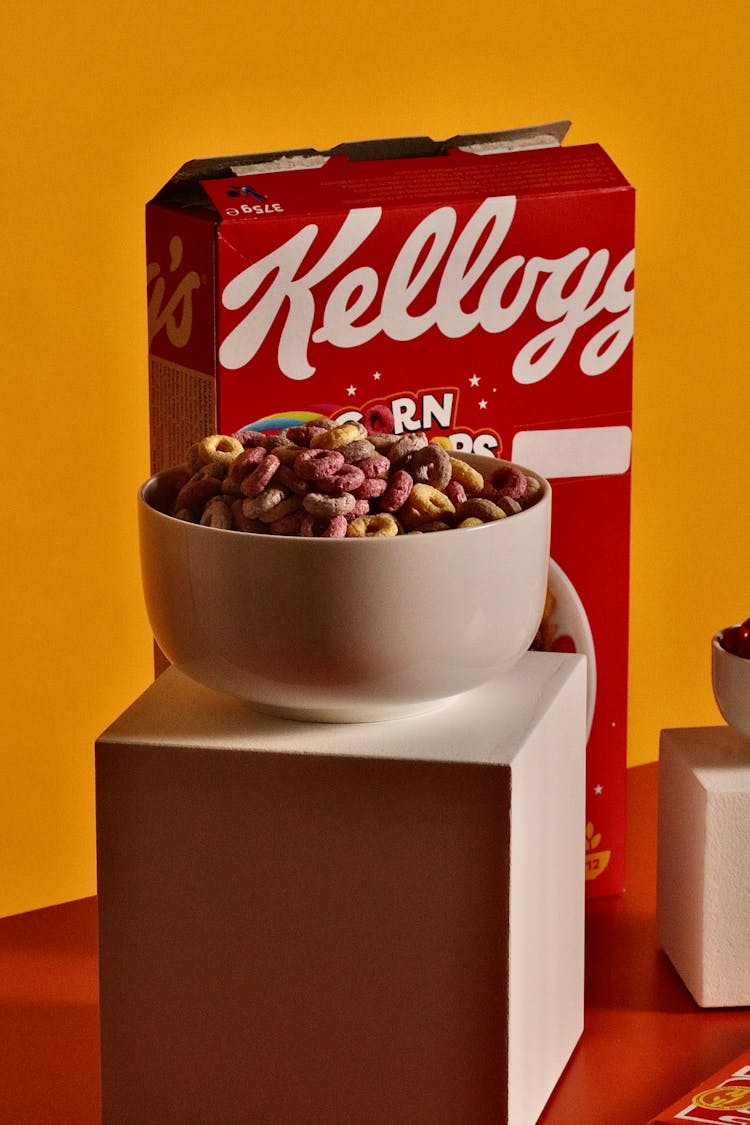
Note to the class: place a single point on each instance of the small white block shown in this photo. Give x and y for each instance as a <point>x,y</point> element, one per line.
<point>370,924</point>
<point>703,869</point>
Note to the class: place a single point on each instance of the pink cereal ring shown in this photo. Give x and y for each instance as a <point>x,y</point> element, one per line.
<point>287,525</point>
<point>241,522</point>
<point>257,480</point>
<point>511,482</point>
<point>455,492</point>
<point>361,508</point>
<point>378,417</point>
<point>398,491</point>
<point>248,460</point>
<point>318,464</point>
<point>336,528</point>
<point>347,479</point>
<point>319,504</point>
<point>375,466</point>
<point>286,476</point>
<point>249,438</point>
<point>370,488</point>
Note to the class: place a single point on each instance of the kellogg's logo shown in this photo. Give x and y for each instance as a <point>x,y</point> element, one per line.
<point>173,312</point>
<point>362,305</point>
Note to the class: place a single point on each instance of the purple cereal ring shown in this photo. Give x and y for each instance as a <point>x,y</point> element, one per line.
<point>249,438</point>
<point>398,491</point>
<point>259,478</point>
<point>356,451</point>
<point>378,418</point>
<point>320,504</point>
<point>318,464</point>
<point>370,488</point>
<point>247,461</point>
<point>431,465</point>
<point>197,491</point>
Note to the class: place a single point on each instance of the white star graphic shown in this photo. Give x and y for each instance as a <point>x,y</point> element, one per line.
<point>376,375</point>
<point>351,390</point>
<point>474,381</point>
<point>483,404</point>
<point>598,789</point>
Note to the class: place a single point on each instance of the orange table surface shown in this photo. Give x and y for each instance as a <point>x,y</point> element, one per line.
<point>645,1041</point>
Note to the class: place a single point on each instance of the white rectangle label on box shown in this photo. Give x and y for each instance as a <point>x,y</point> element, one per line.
<point>580,451</point>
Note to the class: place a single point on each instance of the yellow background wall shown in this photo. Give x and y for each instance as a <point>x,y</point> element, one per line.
<point>103,101</point>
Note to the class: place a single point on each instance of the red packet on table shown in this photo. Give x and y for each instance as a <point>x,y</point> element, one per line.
<point>721,1099</point>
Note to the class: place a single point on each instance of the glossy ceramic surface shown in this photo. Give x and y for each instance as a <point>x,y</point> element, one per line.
<point>730,676</point>
<point>349,630</point>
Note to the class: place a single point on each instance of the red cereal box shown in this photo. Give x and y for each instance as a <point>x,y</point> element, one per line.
<point>721,1099</point>
<point>478,289</point>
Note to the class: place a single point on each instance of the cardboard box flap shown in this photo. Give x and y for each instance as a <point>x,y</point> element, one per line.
<point>184,190</point>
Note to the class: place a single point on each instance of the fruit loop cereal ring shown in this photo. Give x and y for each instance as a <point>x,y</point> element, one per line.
<point>243,465</point>
<point>357,451</point>
<point>254,505</point>
<point>405,445</point>
<point>216,514</point>
<point>378,417</point>
<point>510,506</point>
<point>380,524</point>
<point>336,528</point>
<point>338,436</point>
<point>198,490</point>
<point>471,479</point>
<point>287,478</point>
<point>314,527</point>
<point>318,504</point>
<point>455,492</point>
<point>361,508</point>
<point>431,465</point>
<point>375,466</point>
<point>436,525</point>
<point>532,493</point>
<point>186,515</point>
<point>370,488</point>
<point>397,493</point>
<point>301,435</point>
<point>258,479</point>
<point>318,464</point>
<point>241,522</point>
<point>286,507</point>
<point>287,525</point>
<point>219,447</point>
<point>425,504</point>
<point>472,521</point>
<point>347,479</point>
<point>510,481</point>
<point>382,442</point>
<point>249,438</point>
<point>481,509</point>
<point>287,453</point>
<point>443,442</point>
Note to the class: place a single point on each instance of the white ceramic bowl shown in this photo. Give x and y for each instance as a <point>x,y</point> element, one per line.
<point>343,630</point>
<point>730,676</point>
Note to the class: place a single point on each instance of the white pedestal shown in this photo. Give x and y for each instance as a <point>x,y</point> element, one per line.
<point>371,924</point>
<point>703,872</point>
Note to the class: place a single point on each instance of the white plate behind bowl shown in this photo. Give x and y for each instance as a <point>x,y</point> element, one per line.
<point>570,618</point>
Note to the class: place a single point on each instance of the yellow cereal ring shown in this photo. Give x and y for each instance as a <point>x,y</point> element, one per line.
<point>471,521</point>
<point>219,447</point>
<point>471,479</point>
<point>425,504</point>
<point>372,526</point>
<point>338,436</point>
<point>445,442</point>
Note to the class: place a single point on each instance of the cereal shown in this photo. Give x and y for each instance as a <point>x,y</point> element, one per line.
<point>219,447</point>
<point>370,527</point>
<point>326,479</point>
<point>424,505</point>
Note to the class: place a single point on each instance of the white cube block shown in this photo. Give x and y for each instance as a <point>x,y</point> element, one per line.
<point>703,871</point>
<point>317,924</point>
